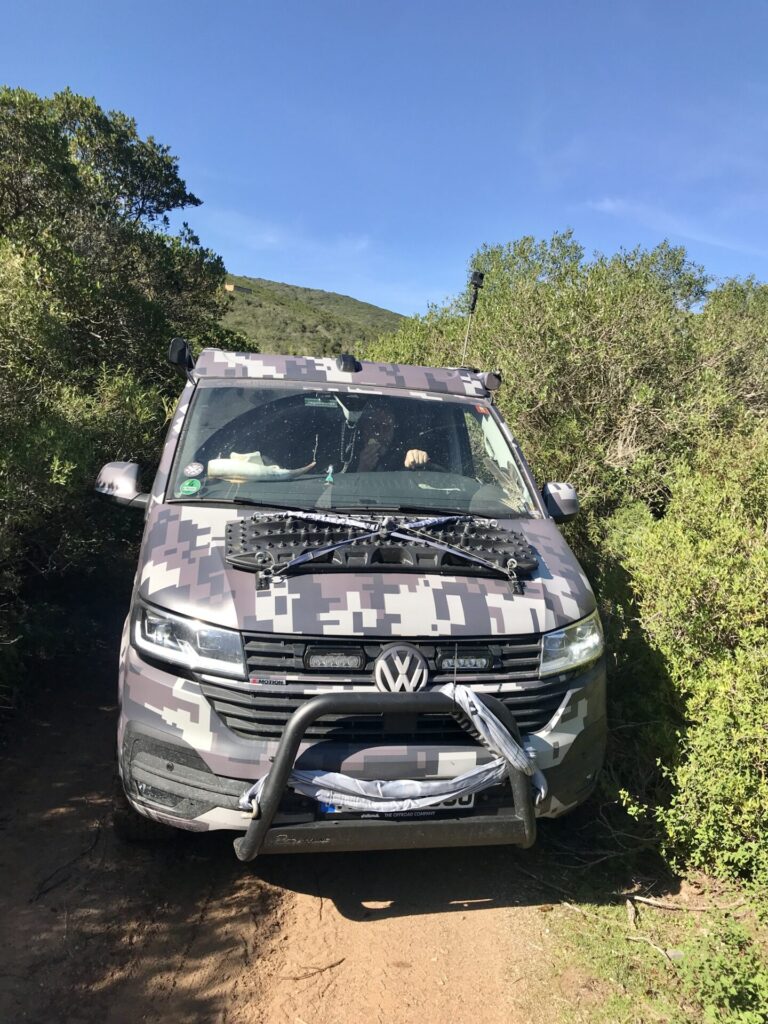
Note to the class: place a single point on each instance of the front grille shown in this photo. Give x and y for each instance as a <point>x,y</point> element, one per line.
<point>261,713</point>
<point>514,658</point>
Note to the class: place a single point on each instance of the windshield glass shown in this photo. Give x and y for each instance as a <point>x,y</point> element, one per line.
<point>283,446</point>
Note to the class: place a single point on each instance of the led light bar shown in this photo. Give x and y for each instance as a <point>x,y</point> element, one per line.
<point>465,661</point>
<point>334,661</point>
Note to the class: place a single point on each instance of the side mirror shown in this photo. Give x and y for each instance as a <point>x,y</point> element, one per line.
<point>561,501</point>
<point>180,356</point>
<point>120,482</point>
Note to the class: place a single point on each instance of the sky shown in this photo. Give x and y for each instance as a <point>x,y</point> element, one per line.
<point>369,147</point>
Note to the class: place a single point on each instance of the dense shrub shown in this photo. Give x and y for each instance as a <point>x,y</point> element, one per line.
<point>629,376</point>
<point>724,975</point>
<point>92,286</point>
<point>594,355</point>
<point>701,579</point>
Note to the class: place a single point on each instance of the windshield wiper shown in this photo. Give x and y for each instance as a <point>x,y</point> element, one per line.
<point>251,502</point>
<point>390,509</point>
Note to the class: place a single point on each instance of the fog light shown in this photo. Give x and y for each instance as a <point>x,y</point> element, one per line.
<point>334,660</point>
<point>155,795</point>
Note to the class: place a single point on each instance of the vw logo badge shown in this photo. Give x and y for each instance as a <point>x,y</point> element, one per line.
<point>400,668</point>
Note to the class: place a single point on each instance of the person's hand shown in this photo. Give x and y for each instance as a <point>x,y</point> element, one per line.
<point>415,458</point>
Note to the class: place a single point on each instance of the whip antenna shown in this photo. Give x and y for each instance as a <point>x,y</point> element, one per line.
<point>475,283</point>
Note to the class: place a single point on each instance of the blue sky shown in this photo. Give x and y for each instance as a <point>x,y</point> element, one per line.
<point>370,147</point>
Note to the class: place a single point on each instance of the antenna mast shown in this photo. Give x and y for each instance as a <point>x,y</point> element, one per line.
<point>475,283</point>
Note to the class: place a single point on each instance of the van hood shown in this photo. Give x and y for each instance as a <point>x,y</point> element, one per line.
<point>183,569</point>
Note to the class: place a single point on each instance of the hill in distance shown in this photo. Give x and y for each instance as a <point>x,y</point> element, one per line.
<point>302,321</point>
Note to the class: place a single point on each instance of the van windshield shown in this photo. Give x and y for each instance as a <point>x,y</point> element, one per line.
<point>283,446</point>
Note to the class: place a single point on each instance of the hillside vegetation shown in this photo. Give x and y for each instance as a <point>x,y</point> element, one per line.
<point>302,321</point>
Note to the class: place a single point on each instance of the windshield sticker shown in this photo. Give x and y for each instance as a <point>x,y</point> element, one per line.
<point>188,487</point>
<point>194,469</point>
<point>482,409</point>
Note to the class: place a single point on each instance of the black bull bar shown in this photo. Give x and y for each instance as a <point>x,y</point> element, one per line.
<point>518,828</point>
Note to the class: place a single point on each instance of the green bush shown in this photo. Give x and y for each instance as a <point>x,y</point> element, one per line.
<point>628,377</point>
<point>700,575</point>
<point>92,287</point>
<point>594,355</point>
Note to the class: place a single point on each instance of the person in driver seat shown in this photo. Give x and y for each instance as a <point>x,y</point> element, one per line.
<point>377,447</point>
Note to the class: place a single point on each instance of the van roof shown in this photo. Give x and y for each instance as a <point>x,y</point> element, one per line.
<point>214,363</point>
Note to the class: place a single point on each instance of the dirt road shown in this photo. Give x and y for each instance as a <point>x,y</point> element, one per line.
<point>92,930</point>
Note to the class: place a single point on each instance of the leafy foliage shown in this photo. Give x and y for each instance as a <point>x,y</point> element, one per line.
<point>632,377</point>
<point>282,318</point>
<point>92,286</point>
<point>701,575</point>
<point>680,968</point>
<point>594,356</point>
<point>726,975</point>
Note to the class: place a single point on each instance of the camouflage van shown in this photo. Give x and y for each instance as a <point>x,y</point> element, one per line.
<point>330,545</point>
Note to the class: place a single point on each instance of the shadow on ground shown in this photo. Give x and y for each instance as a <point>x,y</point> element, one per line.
<point>370,886</point>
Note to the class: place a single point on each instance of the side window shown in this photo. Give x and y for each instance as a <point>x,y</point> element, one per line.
<point>494,461</point>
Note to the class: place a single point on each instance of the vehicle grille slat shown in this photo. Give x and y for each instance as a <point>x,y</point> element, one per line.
<point>285,653</point>
<point>263,713</point>
<point>260,712</point>
<point>269,723</point>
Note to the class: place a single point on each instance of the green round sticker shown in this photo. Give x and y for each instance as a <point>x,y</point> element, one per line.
<point>189,487</point>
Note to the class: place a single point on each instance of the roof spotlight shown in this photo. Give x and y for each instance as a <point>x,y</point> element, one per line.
<point>491,379</point>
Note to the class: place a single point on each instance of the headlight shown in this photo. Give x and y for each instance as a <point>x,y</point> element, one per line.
<point>188,642</point>
<point>573,646</point>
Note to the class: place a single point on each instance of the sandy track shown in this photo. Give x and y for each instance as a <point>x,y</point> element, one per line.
<point>92,930</point>
<point>431,936</point>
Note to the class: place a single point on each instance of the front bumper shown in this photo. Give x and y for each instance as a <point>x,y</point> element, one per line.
<point>181,765</point>
<point>518,828</point>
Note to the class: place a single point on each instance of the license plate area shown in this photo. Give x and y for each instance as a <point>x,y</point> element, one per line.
<point>445,809</point>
